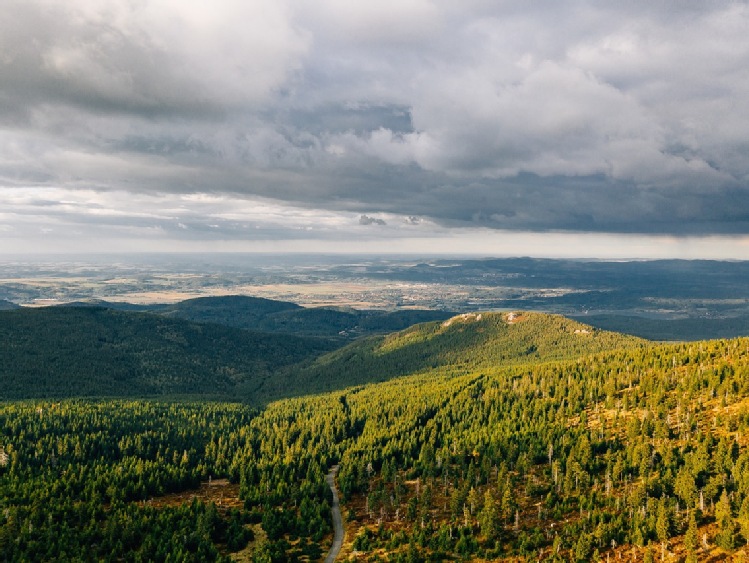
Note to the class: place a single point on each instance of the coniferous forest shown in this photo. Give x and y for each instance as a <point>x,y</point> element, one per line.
<point>517,437</point>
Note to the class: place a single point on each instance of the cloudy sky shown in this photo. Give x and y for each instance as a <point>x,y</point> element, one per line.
<point>572,128</point>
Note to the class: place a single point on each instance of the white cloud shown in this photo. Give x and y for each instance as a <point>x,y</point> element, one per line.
<point>387,22</point>
<point>161,56</point>
<point>604,116</point>
<point>152,220</point>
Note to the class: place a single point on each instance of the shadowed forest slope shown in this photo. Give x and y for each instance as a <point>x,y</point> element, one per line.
<point>91,351</point>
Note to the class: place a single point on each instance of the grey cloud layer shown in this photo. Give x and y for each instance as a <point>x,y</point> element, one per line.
<point>600,116</point>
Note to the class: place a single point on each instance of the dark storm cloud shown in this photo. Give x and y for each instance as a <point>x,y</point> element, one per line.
<point>582,116</point>
<point>367,220</point>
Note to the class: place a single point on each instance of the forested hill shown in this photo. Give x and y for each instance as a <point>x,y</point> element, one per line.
<point>232,310</point>
<point>465,342</point>
<point>74,352</point>
<point>95,352</point>
<point>682,329</point>
<point>283,317</point>
<point>269,315</point>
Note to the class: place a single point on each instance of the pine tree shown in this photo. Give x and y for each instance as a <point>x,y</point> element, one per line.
<point>685,487</point>
<point>744,519</point>
<point>508,504</point>
<point>662,522</point>
<point>488,516</point>
<point>690,539</point>
<point>583,547</point>
<point>726,537</point>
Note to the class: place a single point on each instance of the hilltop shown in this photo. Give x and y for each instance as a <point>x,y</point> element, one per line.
<point>464,342</point>
<point>239,311</point>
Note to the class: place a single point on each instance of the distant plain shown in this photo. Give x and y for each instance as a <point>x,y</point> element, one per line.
<point>663,300</point>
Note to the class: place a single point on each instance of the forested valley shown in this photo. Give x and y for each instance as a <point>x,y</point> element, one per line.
<point>535,439</point>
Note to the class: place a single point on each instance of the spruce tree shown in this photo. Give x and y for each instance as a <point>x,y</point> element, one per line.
<point>726,537</point>
<point>488,517</point>
<point>690,539</point>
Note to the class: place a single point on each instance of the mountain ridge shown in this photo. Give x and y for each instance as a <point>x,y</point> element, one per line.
<point>469,341</point>
<point>285,317</point>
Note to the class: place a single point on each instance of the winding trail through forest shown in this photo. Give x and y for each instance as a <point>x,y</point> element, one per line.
<point>337,520</point>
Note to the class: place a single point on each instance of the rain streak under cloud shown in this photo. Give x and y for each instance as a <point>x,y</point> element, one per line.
<point>163,124</point>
